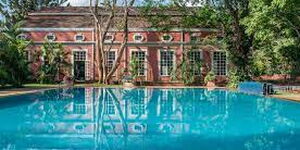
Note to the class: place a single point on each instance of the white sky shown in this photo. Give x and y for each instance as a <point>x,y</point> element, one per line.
<point>79,2</point>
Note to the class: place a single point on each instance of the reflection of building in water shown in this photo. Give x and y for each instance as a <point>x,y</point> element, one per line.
<point>103,117</point>
<point>166,102</point>
<point>64,120</point>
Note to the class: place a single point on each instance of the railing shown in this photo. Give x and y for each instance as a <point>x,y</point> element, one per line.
<point>286,88</point>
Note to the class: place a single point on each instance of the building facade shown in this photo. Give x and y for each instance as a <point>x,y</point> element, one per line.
<point>158,52</point>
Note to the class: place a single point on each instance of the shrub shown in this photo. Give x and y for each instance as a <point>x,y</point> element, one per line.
<point>210,77</point>
<point>54,63</point>
<point>234,79</point>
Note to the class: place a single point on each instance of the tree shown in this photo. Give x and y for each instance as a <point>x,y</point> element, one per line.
<point>54,63</point>
<point>16,10</point>
<point>105,14</point>
<point>225,15</point>
<point>275,26</point>
<point>11,49</point>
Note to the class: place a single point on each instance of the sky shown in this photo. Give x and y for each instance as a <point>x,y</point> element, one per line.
<point>79,2</point>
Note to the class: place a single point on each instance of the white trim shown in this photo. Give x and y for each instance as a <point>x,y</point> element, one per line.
<point>25,36</point>
<point>56,29</point>
<point>198,49</point>
<point>138,34</point>
<point>145,61</point>
<point>159,61</point>
<point>112,38</point>
<point>118,30</point>
<point>50,34</point>
<point>66,42</point>
<point>201,58</point>
<point>212,62</point>
<point>58,14</point>
<point>72,60</point>
<point>79,34</point>
<point>116,55</point>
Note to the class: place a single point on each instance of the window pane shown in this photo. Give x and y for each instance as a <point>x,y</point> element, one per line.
<point>110,60</point>
<point>141,58</point>
<point>138,38</point>
<point>79,38</point>
<point>79,56</point>
<point>166,62</point>
<point>195,61</point>
<point>219,63</point>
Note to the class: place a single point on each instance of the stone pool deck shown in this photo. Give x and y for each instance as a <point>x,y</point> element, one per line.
<point>31,88</point>
<point>288,96</point>
<point>19,91</point>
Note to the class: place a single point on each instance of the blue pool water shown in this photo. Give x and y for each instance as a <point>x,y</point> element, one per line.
<point>150,119</point>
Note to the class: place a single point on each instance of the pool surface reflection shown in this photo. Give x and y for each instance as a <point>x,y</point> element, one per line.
<point>148,118</point>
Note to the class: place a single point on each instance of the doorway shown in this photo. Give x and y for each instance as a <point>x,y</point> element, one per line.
<point>79,63</point>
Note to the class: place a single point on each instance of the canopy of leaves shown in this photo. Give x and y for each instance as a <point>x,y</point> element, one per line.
<point>275,26</point>
<point>15,10</point>
<point>13,62</point>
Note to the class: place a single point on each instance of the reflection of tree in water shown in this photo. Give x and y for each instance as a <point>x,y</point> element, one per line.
<point>273,116</point>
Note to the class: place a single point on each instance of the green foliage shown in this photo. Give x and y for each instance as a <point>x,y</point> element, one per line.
<point>210,77</point>
<point>275,27</point>
<point>13,62</point>
<point>54,63</point>
<point>15,10</point>
<point>134,67</point>
<point>234,78</point>
<point>187,70</point>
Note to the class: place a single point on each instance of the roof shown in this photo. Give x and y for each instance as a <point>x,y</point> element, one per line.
<point>80,17</point>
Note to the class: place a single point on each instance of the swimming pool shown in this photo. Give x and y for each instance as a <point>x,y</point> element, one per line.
<point>148,118</point>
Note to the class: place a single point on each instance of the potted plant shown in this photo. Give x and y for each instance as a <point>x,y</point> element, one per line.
<point>209,79</point>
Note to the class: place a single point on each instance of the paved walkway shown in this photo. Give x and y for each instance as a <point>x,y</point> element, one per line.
<point>18,91</point>
<point>288,96</point>
<point>26,90</point>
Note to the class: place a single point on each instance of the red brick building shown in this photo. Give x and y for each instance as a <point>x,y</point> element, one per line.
<point>158,51</point>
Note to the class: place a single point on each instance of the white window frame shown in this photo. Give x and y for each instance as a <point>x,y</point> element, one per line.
<point>144,103</point>
<point>159,61</point>
<point>28,55</point>
<point>164,96</point>
<point>138,34</point>
<point>197,35</point>
<point>145,61</point>
<point>171,38</point>
<point>111,50</point>
<point>86,61</point>
<point>212,62</point>
<point>50,34</point>
<point>201,56</point>
<point>79,34</point>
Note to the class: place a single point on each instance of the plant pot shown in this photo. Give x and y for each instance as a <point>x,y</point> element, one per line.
<point>210,84</point>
